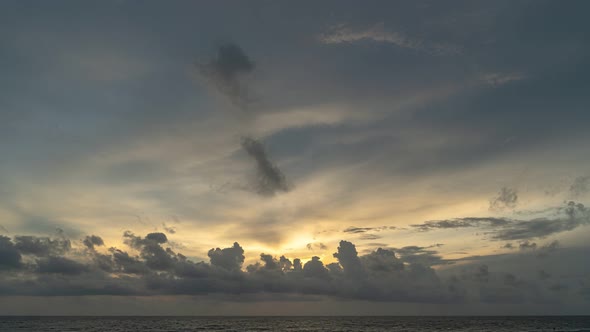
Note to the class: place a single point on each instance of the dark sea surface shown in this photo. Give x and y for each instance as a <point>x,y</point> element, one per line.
<point>410,324</point>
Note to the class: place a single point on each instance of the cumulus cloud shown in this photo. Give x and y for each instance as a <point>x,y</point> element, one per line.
<point>152,268</point>
<point>507,198</point>
<point>270,179</point>
<point>342,33</point>
<point>227,258</point>
<point>92,240</point>
<point>224,71</point>
<point>41,246</point>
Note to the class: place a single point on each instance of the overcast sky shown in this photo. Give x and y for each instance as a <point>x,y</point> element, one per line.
<point>309,157</point>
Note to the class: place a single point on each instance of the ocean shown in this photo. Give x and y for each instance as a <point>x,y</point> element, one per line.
<point>407,324</point>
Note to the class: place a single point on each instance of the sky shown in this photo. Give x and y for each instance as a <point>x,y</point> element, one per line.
<point>294,158</point>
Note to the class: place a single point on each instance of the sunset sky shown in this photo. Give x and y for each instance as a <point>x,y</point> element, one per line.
<point>433,156</point>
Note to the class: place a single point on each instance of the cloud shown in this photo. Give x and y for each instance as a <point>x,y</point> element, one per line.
<point>169,229</point>
<point>93,240</point>
<point>498,79</point>
<point>341,33</point>
<point>420,255</point>
<point>41,246</point>
<point>580,186</point>
<point>269,179</point>
<point>507,198</point>
<point>526,245</point>
<point>460,223</point>
<point>403,275</point>
<point>10,257</point>
<point>228,258</point>
<point>369,237</point>
<point>224,72</point>
<point>353,229</point>
<point>575,215</point>
<point>348,258</point>
<point>60,265</point>
<point>317,245</point>
<point>567,218</point>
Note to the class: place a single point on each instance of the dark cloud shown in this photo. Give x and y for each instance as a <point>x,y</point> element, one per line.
<point>159,270</point>
<point>93,240</point>
<point>348,258</point>
<point>403,274</point>
<point>420,255</point>
<point>573,216</point>
<point>566,218</point>
<point>353,229</point>
<point>224,72</point>
<point>60,265</point>
<point>507,198</point>
<point>382,261</point>
<point>269,179</point>
<point>10,257</point>
<point>157,237</point>
<point>314,268</point>
<point>526,245</point>
<point>41,246</point>
<point>460,223</point>
<point>122,261</point>
<point>228,258</point>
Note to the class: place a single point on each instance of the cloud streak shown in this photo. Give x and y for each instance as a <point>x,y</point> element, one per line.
<point>269,178</point>
<point>342,33</point>
<point>569,217</point>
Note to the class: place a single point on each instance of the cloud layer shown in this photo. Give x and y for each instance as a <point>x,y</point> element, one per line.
<point>150,267</point>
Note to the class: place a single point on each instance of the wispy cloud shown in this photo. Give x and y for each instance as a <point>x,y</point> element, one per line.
<point>567,218</point>
<point>342,33</point>
<point>507,198</point>
<point>497,79</point>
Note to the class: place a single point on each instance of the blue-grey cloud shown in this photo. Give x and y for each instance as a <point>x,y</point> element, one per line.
<point>224,71</point>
